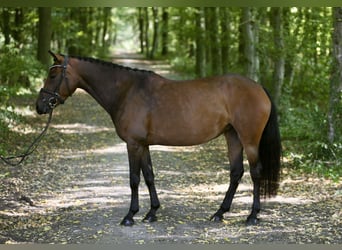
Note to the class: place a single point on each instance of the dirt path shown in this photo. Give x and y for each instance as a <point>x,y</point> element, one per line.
<point>78,182</point>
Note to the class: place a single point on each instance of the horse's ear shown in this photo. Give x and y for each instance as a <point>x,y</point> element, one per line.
<point>53,55</point>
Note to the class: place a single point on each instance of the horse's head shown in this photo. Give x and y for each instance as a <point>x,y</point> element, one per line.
<point>59,85</point>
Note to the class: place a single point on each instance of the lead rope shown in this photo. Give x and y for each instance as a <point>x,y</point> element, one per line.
<point>10,160</point>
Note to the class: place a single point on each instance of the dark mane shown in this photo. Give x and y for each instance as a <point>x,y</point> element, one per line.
<point>110,64</point>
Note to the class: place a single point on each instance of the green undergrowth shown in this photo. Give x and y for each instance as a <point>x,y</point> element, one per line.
<point>306,147</point>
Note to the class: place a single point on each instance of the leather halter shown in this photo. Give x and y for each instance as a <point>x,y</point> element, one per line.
<point>55,97</point>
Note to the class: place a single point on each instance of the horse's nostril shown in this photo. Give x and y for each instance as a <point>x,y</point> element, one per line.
<point>38,110</point>
<point>41,109</point>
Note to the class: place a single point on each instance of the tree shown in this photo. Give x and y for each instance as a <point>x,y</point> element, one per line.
<point>44,34</point>
<point>216,65</point>
<point>6,28</point>
<point>225,38</point>
<point>200,43</point>
<point>335,101</point>
<point>208,42</point>
<point>251,37</point>
<point>146,32</point>
<point>19,24</point>
<point>279,55</point>
<point>165,32</point>
<point>155,33</point>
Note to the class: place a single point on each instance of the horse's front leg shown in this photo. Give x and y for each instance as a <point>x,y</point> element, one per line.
<point>149,179</point>
<point>135,153</point>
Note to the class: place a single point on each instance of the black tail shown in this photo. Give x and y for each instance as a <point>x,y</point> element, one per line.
<point>270,154</point>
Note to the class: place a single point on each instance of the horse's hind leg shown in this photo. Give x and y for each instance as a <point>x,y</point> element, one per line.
<point>236,171</point>
<point>255,169</point>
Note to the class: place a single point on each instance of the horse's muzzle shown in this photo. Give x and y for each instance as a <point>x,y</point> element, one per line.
<point>42,107</point>
<point>47,101</point>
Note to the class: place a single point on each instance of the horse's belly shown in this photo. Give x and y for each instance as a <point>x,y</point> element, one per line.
<point>187,131</point>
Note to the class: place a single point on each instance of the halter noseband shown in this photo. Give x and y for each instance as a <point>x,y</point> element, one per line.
<point>55,96</point>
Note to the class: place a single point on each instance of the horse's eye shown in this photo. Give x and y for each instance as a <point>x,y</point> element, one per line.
<point>52,76</point>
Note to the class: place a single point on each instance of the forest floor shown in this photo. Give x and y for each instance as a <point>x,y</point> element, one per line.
<point>75,188</point>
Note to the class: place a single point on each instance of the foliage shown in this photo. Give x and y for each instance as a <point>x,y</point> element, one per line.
<point>18,68</point>
<point>304,132</point>
<point>7,116</point>
<point>20,72</point>
<point>78,31</point>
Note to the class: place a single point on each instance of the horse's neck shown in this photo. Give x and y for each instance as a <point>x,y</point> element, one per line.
<point>106,88</point>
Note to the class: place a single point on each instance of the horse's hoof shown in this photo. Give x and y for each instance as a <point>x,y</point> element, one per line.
<point>127,222</point>
<point>150,218</point>
<point>252,221</point>
<point>216,218</point>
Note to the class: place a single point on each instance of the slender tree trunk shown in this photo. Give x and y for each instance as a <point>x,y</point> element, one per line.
<point>106,22</point>
<point>155,33</point>
<point>165,32</point>
<point>6,25</point>
<point>208,42</point>
<point>335,102</point>
<point>225,41</point>
<point>141,30</point>
<point>242,44</point>
<point>216,67</point>
<point>147,41</point>
<point>279,60</point>
<point>250,30</point>
<point>44,35</point>
<point>200,43</point>
<point>18,21</point>
<point>100,27</point>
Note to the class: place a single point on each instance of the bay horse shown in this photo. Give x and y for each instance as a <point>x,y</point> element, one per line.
<point>148,109</point>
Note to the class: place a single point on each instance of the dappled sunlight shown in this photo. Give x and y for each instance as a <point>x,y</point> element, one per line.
<point>25,111</point>
<point>290,200</point>
<point>174,148</point>
<point>79,128</point>
<point>98,195</point>
<point>119,148</point>
<point>243,194</point>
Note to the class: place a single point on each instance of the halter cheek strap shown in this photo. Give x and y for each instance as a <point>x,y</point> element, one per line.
<point>56,98</point>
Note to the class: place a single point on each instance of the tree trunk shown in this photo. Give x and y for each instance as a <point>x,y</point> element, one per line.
<point>216,67</point>
<point>200,43</point>
<point>334,115</point>
<point>208,43</point>
<point>106,23</point>
<point>141,30</point>
<point>44,35</point>
<point>147,43</point>
<point>18,21</point>
<point>225,34</point>
<point>6,28</point>
<point>241,48</point>
<point>279,59</point>
<point>250,33</point>
<point>155,32</point>
<point>165,32</point>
